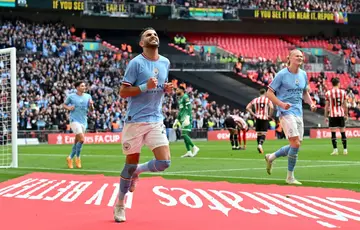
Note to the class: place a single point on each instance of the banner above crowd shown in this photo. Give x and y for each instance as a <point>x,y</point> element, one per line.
<point>140,10</point>
<point>137,10</point>
<point>7,3</point>
<point>58,5</point>
<point>336,17</point>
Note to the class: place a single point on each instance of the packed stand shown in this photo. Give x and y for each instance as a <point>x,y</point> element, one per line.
<point>33,37</point>
<point>45,83</point>
<point>349,47</point>
<point>50,62</point>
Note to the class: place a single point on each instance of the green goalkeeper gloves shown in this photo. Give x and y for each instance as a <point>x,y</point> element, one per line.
<point>186,121</point>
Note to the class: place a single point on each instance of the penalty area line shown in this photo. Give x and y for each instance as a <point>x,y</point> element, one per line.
<point>263,168</point>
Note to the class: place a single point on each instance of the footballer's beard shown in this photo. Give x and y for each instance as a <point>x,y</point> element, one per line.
<point>152,46</point>
<point>178,94</point>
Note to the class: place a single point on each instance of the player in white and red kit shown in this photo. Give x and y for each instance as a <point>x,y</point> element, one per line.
<point>336,105</point>
<point>263,110</point>
<point>235,124</point>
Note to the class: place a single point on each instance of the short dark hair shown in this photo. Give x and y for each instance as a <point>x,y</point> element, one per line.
<point>182,88</point>
<point>335,81</point>
<point>78,83</point>
<point>262,91</point>
<point>144,30</point>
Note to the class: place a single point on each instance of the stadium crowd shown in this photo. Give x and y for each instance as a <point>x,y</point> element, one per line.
<point>50,61</point>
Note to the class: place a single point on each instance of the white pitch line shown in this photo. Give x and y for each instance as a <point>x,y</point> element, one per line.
<point>192,175</point>
<point>263,168</point>
<point>120,156</point>
<point>263,178</point>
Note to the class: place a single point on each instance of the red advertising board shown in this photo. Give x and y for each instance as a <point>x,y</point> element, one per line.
<point>90,138</point>
<point>222,135</point>
<point>326,133</point>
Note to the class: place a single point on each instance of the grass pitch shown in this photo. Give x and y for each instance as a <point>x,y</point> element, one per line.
<point>215,162</point>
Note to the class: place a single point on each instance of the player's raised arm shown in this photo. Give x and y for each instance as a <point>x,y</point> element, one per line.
<point>126,90</point>
<point>273,87</point>
<point>271,95</point>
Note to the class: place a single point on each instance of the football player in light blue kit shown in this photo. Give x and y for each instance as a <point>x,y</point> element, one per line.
<point>291,87</point>
<point>144,85</point>
<point>78,104</point>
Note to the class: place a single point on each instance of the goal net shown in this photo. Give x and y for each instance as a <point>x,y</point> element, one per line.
<point>8,109</point>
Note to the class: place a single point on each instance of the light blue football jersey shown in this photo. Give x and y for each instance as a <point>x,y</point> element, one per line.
<point>147,106</point>
<point>81,103</point>
<point>289,88</point>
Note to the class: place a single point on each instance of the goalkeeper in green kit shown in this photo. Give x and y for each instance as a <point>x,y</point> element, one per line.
<point>184,119</point>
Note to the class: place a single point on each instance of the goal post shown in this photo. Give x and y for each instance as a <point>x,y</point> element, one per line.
<point>8,109</point>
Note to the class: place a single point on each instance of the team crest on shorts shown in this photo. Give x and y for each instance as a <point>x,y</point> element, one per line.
<point>126,146</point>
<point>291,131</point>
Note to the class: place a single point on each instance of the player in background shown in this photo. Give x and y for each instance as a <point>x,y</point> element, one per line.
<point>336,105</point>
<point>144,86</point>
<point>185,119</point>
<point>78,104</point>
<point>235,125</point>
<point>291,86</point>
<point>263,110</point>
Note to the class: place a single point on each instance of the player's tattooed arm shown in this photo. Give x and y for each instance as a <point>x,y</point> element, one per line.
<point>131,91</point>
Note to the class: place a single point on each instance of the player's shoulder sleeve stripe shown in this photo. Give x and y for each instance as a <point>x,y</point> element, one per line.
<point>269,87</point>
<point>126,83</point>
